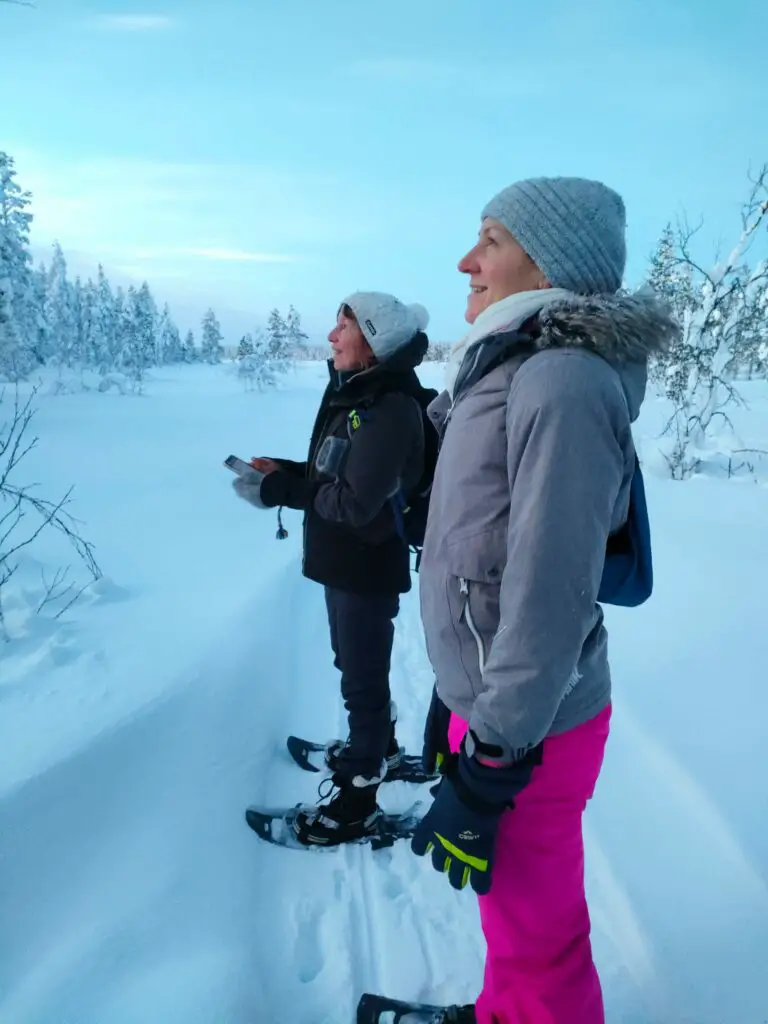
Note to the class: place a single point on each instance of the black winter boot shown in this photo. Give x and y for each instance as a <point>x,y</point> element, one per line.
<point>351,813</point>
<point>460,1015</point>
<point>334,751</point>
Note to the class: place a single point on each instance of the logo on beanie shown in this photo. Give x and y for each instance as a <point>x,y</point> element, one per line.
<point>371,328</point>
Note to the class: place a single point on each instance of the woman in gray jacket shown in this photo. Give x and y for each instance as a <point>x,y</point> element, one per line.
<point>536,495</point>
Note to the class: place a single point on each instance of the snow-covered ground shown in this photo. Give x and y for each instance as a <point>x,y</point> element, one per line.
<point>137,726</point>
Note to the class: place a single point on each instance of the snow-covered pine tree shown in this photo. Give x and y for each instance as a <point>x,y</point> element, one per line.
<point>147,325</point>
<point>169,339</point>
<point>136,335</point>
<point>83,302</point>
<point>41,335</point>
<point>245,348</point>
<point>18,321</point>
<point>295,337</point>
<point>189,350</point>
<point>59,312</point>
<point>102,354</point>
<point>211,349</point>
<point>120,325</point>
<point>277,344</point>
<point>139,347</point>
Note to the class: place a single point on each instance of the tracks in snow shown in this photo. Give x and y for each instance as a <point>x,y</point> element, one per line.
<point>129,878</point>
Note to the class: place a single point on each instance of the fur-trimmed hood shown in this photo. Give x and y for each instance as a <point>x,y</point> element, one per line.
<point>625,329</point>
<point>621,328</point>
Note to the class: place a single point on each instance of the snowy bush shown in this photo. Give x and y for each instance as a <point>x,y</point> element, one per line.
<point>256,368</point>
<point>722,314</point>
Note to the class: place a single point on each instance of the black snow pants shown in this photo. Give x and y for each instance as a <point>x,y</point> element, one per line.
<point>362,631</point>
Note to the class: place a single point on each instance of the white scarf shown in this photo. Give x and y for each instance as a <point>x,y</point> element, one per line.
<point>505,315</point>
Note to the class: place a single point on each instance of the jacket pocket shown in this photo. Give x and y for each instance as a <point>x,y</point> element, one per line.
<point>474,571</point>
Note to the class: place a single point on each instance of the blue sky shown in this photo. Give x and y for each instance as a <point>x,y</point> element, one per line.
<point>252,153</point>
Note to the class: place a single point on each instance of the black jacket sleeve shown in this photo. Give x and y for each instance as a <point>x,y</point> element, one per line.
<point>291,467</point>
<point>281,488</point>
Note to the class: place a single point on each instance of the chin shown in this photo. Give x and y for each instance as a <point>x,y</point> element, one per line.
<point>472,312</point>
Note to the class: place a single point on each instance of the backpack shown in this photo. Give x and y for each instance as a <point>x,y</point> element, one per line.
<point>412,508</point>
<point>628,571</point>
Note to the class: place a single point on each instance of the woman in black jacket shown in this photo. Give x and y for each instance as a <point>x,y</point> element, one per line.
<point>366,454</point>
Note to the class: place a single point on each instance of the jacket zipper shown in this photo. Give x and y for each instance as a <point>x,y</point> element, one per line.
<point>464,591</point>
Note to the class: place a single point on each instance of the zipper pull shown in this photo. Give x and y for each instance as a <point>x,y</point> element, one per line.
<point>463,586</point>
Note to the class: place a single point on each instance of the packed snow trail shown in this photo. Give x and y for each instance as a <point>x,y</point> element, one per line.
<point>132,881</point>
<point>134,893</point>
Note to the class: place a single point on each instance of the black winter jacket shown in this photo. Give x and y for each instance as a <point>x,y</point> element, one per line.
<point>350,537</point>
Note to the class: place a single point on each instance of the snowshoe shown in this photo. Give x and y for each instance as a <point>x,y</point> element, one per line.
<point>350,815</point>
<point>315,757</point>
<point>278,826</point>
<point>373,1009</point>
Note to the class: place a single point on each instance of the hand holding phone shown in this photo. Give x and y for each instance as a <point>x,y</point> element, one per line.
<point>239,466</point>
<point>265,465</point>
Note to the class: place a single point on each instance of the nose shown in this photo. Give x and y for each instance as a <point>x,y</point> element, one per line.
<point>468,263</point>
<point>332,335</point>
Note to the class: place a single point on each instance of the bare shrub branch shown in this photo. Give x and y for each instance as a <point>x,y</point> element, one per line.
<point>24,514</point>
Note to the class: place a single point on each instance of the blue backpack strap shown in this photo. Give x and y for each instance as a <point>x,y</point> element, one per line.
<point>399,507</point>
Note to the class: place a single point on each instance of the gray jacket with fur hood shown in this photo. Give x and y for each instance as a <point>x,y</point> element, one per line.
<point>533,475</point>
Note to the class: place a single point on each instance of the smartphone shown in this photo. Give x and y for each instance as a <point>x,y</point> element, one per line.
<point>238,466</point>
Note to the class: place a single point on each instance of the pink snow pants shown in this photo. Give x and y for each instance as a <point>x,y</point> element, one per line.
<point>539,967</point>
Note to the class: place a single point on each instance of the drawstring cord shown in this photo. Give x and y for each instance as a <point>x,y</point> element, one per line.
<point>282,533</point>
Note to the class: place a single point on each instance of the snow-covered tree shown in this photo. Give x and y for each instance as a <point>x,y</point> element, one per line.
<point>18,322</point>
<point>211,349</point>
<point>189,349</point>
<point>138,342</point>
<point>59,313</point>
<point>103,348</point>
<point>276,336</point>
<point>245,348</point>
<point>672,282</point>
<point>83,313</point>
<point>257,369</point>
<point>715,324</point>
<point>45,317</point>
<point>295,338</point>
<point>278,352</point>
<point>40,342</point>
<point>169,339</point>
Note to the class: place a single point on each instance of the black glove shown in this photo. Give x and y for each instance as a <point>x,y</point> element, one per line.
<point>436,747</point>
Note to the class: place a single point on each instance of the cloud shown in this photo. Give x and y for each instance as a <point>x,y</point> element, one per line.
<point>133,22</point>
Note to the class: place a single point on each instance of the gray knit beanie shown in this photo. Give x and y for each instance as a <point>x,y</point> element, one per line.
<point>386,322</point>
<point>572,228</point>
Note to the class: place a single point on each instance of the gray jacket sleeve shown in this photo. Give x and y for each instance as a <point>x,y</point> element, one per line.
<point>566,419</point>
<point>380,450</point>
